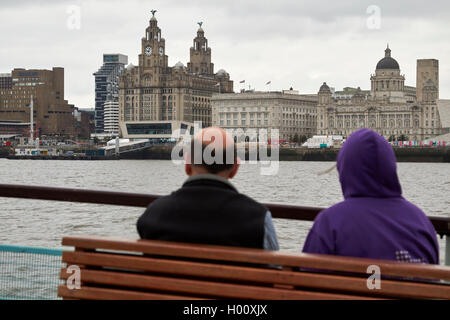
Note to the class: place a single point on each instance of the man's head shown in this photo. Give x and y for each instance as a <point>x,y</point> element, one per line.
<point>212,151</point>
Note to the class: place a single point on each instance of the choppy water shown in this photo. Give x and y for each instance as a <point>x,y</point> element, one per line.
<point>44,223</point>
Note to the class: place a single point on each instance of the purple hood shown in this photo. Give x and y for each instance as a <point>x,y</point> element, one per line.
<point>367,167</point>
<point>374,220</point>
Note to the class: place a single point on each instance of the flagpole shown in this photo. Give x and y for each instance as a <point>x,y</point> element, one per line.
<point>243,85</point>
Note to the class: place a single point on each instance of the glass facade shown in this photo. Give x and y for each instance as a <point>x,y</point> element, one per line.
<point>5,81</point>
<point>107,86</point>
<point>149,128</point>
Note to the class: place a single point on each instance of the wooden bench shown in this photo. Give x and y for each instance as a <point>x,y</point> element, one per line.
<point>141,269</point>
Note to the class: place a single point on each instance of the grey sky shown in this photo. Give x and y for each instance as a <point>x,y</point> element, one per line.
<point>292,43</point>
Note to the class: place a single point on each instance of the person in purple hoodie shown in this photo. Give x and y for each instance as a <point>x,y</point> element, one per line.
<point>374,220</point>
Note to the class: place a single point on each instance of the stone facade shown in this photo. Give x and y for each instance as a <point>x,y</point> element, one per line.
<point>427,69</point>
<point>153,91</point>
<point>52,114</point>
<point>390,108</point>
<point>289,112</point>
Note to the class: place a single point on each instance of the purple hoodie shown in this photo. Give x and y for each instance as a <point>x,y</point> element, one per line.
<point>374,220</point>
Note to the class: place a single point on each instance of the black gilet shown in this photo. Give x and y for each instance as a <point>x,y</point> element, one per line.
<point>205,211</point>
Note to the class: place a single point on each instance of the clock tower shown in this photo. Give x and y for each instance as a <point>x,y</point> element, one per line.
<point>153,55</point>
<point>200,62</point>
<point>155,94</point>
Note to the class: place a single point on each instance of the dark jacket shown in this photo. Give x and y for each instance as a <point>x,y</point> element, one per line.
<point>205,210</point>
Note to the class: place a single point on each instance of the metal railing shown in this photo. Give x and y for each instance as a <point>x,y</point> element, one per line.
<point>29,273</point>
<point>281,211</point>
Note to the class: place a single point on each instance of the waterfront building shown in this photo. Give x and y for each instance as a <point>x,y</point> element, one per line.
<point>153,92</point>
<point>17,127</point>
<point>83,122</point>
<point>5,81</point>
<point>107,85</point>
<point>444,114</point>
<point>90,114</point>
<point>390,107</point>
<point>293,114</point>
<point>164,131</point>
<point>52,114</point>
<point>111,117</point>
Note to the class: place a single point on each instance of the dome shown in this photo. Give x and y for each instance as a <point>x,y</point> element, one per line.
<point>324,88</point>
<point>200,30</point>
<point>130,66</point>
<point>153,15</point>
<point>388,62</point>
<point>179,65</point>
<point>221,72</point>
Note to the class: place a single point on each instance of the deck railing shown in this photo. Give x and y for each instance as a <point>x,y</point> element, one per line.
<point>29,273</point>
<point>282,211</point>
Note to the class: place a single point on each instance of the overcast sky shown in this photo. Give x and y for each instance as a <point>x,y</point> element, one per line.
<point>291,43</point>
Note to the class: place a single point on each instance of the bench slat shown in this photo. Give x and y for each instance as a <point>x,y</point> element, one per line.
<point>206,288</point>
<point>390,288</point>
<point>209,252</point>
<point>90,293</point>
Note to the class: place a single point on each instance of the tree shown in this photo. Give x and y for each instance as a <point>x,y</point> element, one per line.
<point>303,139</point>
<point>295,138</point>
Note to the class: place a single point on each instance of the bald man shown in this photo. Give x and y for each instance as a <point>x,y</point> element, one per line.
<point>207,208</point>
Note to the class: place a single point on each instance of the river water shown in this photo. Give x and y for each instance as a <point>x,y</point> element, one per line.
<point>44,223</point>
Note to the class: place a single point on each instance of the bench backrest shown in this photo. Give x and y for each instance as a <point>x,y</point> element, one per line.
<point>141,269</point>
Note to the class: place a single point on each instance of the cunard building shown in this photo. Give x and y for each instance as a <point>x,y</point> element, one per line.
<point>155,99</point>
<point>391,108</point>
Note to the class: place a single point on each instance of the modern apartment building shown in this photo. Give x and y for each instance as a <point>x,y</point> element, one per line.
<point>111,117</point>
<point>107,85</point>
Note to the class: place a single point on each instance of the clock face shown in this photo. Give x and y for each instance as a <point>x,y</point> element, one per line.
<point>148,51</point>
<point>161,51</point>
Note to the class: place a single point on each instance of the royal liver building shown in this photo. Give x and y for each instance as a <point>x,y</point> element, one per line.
<point>154,98</point>
<point>391,108</point>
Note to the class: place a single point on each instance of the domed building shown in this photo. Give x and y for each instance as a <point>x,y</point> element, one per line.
<point>154,97</point>
<point>394,110</point>
<point>179,65</point>
<point>387,81</point>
